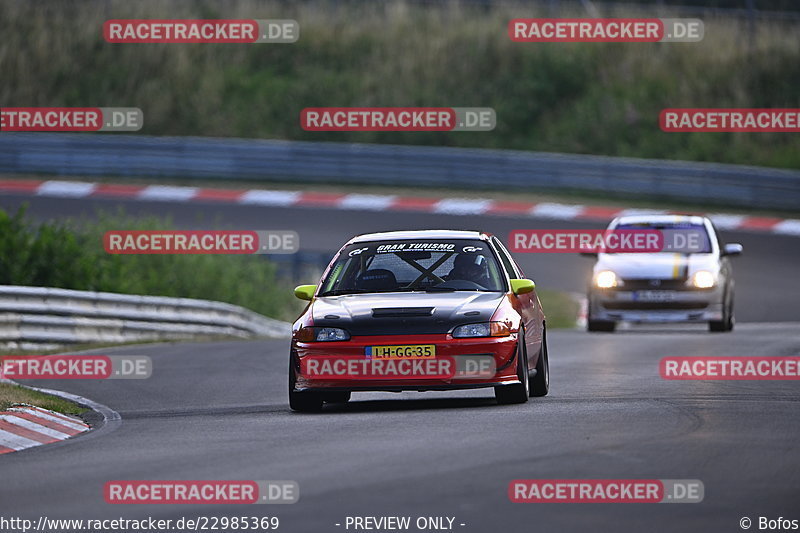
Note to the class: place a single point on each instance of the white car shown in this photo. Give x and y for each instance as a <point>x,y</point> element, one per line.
<point>693,285</point>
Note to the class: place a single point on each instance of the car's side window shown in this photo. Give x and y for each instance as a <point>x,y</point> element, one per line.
<point>513,271</point>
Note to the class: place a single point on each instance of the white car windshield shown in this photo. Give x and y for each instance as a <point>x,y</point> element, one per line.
<point>681,237</point>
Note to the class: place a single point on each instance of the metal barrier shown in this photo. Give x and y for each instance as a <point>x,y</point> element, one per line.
<point>43,317</point>
<point>414,166</point>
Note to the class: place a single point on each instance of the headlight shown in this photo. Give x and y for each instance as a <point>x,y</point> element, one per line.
<point>483,329</point>
<point>315,334</point>
<point>606,279</point>
<point>703,279</point>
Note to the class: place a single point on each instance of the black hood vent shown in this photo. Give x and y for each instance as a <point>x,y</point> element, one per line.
<point>401,312</point>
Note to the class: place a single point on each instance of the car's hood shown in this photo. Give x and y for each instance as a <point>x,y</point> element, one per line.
<point>656,266</point>
<point>407,313</point>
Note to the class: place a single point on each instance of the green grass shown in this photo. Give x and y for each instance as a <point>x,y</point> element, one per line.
<point>560,309</point>
<point>599,98</point>
<point>11,395</point>
<point>70,255</point>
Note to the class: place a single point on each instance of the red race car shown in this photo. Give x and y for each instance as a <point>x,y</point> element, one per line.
<point>419,310</point>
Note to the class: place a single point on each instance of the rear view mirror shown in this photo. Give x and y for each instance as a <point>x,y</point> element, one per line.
<point>588,254</point>
<point>305,292</point>
<point>415,256</point>
<point>733,248</point>
<point>522,286</point>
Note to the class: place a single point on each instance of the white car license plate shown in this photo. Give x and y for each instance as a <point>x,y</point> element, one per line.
<point>654,296</point>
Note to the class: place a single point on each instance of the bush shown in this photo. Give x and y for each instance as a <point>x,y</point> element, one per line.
<point>71,256</point>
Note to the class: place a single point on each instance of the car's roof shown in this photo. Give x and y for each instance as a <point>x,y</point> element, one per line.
<point>419,234</point>
<point>660,219</point>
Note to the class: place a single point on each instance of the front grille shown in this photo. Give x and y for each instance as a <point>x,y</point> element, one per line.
<point>641,306</point>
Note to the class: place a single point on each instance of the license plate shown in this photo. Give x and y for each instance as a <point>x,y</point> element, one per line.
<point>406,351</point>
<point>654,296</point>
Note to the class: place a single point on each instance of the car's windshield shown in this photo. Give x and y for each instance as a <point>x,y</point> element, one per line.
<point>418,265</point>
<point>678,237</point>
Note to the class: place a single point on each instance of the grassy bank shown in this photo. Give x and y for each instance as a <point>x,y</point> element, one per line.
<point>579,98</point>
<point>559,307</point>
<point>14,394</point>
<point>70,255</point>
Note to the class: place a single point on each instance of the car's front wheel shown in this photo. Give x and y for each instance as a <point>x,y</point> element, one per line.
<point>728,319</point>
<point>607,326</point>
<point>302,401</point>
<point>518,393</point>
<point>540,384</point>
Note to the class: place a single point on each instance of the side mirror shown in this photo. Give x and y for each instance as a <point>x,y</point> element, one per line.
<point>732,249</point>
<point>522,286</point>
<point>305,292</point>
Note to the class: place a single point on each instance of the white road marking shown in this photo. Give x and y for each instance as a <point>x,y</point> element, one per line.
<point>67,189</point>
<point>260,197</point>
<point>724,221</point>
<point>554,210</point>
<point>165,193</point>
<point>787,227</point>
<point>372,202</point>
<point>461,206</point>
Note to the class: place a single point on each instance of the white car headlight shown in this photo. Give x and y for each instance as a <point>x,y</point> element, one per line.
<point>606,279</point>
<point>703,279</point>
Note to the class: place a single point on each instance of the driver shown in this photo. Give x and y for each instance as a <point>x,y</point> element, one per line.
<point>470,267</point>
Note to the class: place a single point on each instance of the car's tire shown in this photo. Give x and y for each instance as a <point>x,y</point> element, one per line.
<point>508,394</point>
<point>336,396</point>
<point>607,326</point>
<point>540,383</point>
<point>728,319</point>
<point>305,401</point>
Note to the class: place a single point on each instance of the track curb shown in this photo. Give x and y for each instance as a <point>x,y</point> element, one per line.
<point>373,202</point>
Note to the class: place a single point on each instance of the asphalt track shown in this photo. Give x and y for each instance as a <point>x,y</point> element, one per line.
<point>218,411</point>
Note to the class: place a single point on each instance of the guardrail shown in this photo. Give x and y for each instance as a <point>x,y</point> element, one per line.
<point>414,166</point>
<point>45,317</point>
<point>743,9</point>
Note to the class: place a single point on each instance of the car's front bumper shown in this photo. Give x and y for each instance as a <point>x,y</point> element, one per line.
<point>689,305</point>
<point>501,349</point>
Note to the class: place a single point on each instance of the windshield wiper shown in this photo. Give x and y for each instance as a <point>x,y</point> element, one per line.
<point>340,292</point>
